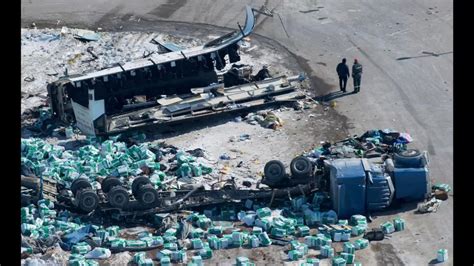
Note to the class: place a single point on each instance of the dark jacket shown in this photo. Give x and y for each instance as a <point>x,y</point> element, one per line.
<point>342,70</point>
<point>357,70</point>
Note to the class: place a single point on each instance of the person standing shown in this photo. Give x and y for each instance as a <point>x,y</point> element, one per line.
<point>343,72</point>
<point>356,75</point>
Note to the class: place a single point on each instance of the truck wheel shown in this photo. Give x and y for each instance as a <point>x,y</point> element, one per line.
<point>80,183</point>
<point>147,195</point>
<point>301,167</point>
<point>274,172</point>
<point>138,182</point>
<point>110,182</point>
<point>87,200</point>
<point>408,158</point>
<point>118,197</point>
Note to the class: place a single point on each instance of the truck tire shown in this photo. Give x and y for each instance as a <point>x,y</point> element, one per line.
<point>87,200</point>
<point>78,184</point>
<point>301,167</point>
<point>110,182</point>
<point>410,158</point>
<point>138,182</point>
<point>274,172</point>
<point>118,197</point>
<point>147,195</point>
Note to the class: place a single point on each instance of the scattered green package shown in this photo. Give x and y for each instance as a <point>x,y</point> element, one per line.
<point>197,243</point>
<point>358,219</point>
<point>338,261</point>
<point>312,262</point>
<point>196,260</point>
<point>361,243</point>
<point>327,251</point>
<point>442,187</point>
<point>399,224</point>
<point>165,261</point>
<point>171,246</point>
<point>387,227</point>
<point>348,248</point>
<point>264,239</point>
<point>264,212</point>
<point>81,248</point>
<point>294,255</point>
<point>349,257</point>
<point>278,232</point>
<point>215,230</point>
<point>442,255</point>
<point>342,222</point>
<point>205,253</point>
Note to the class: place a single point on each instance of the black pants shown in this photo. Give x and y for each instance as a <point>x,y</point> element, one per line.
<point>342,83</point>
<point>357,83</point>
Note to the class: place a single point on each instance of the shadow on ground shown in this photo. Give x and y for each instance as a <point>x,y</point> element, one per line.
<point>332,95</point>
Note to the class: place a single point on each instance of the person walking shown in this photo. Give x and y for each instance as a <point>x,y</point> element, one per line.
<point>356,75</point>
<point>343,72</point>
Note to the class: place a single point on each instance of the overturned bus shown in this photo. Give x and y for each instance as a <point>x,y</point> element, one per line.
<point>167,87</point>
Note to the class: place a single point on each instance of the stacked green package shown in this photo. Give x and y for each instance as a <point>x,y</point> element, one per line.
<point>303,231</point>
<point>197,260</point>
<point>136,244</point>
<point>358,230</point>
<point>165,261</point>
<point>294,255</point>
<point>197,243</point>
<point>278,232</point>
<point>197,233</point>
<point>118,243</point>
<point>358,219</point>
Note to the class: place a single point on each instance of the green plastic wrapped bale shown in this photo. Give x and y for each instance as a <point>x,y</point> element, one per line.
<point>253,241</point>
<point>197,233</point>
<point>139,256</point>
<point>278,232</point>
<point>311,241</point>
<point>387,227</point>
<point>442,255</point>
<point>26,229</point>
<point>349,257</point>
<point>338,261</point>
<point>171,246</point>
<point>165,261</point>
<point>342,222</point>
<point>312,262</point>
<point>205,169</point>
<point>215,230</point>
<point>196,243</point>
<point>205,253</point>
<point>303,231</point>
<point>297,202</point>
<point>361,243</point>
<point>157,240</point>
<point>358,230</point>
<point>77,262</point>
<point>146,262</point>
<point>113,230</point>
<point>26,250</point>
<point>264,239</point>
<point>179,256</point>
<point>164,253</point>
<point>265,223</point>
<point>237,239</point>
<point>294,255</point>
<point>399,224</point>
<point>196,169</point>
<point>197,260</point>
<point>224,243</point>
<point>358,219</point>
<point>81,248</point>
<point>148,241</point>
<point>348,248</point>
<point>214,242</point>
<point>204,222</point>
<point>442,187</point>
<point>136,244</point>
<point>357,263</point>
<point>327,251</point>
<point>257,230</point>
<point>118,243</point>
<point>184,170</point>
<point>169,239</point>
<point>171,232</point>
<point>264,212</point>
<point>240,261</point>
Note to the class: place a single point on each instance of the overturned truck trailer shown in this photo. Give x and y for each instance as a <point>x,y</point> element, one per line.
<point>168,87</point>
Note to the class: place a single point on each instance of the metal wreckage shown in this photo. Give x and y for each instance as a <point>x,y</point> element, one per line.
<point>176,86</point>
<point>181,85</point>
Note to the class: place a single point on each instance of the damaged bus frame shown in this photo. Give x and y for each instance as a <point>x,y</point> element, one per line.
<point>171,87</point>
